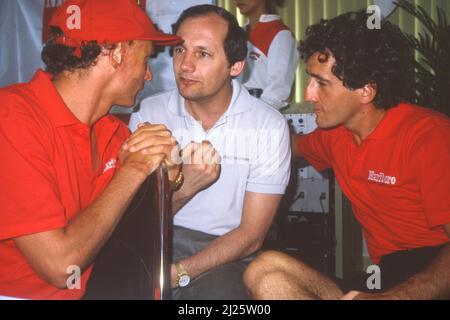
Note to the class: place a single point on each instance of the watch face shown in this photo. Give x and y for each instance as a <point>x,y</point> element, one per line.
<point>184,280</point>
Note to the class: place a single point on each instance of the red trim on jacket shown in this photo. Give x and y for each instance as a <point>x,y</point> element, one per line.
<point>263,34</point>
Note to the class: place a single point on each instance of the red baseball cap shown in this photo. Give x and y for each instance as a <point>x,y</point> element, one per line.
<point>105,21</point>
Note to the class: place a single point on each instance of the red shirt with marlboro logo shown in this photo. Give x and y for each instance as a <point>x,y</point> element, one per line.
<point>46,176</point>
<point>397,180</point>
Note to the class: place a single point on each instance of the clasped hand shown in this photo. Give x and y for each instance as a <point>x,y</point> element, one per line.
<point>149,146</point>
<point>153,144</point>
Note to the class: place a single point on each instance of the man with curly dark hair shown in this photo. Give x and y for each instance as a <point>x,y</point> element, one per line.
<point>68,171</point>
<point>390,158</point>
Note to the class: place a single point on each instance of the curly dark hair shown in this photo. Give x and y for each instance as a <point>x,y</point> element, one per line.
<point>235,44</point>
<point>59,58</point>
<point>380,57</point>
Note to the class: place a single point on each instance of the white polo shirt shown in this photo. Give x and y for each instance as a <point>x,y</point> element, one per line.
<point>253,141</point>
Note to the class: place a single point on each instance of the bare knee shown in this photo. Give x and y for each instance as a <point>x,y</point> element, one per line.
<point>275,275</point>
<point>266,284</point>
<point>269,263</point>
<point>261,265</point>
<point>276,285</point>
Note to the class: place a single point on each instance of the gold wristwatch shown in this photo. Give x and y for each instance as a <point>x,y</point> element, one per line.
<point>176,185</point>
<point>183,277</point>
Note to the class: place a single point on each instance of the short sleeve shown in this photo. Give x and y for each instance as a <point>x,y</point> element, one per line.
<point>431,164</point>
<point>270,166</point>
<point>30,199</point>
<point>313,147</point>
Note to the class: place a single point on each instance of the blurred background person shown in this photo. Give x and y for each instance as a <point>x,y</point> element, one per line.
<point>272,52</point>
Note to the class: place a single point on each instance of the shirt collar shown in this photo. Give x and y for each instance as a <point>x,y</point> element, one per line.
<point>50,100</point>
<point>269,17</point>
<point>389,124</point>
<point>387,127</point>
<point>264,18</point>
<point>240,102</point>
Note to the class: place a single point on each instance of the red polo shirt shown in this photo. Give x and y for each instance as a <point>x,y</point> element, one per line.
<point>46,176</point>
<point>397,180</point>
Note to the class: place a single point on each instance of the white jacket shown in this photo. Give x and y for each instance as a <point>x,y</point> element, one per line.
<point>272,61</point>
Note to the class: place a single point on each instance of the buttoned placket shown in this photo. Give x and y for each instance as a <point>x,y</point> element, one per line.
<point>198,133</point>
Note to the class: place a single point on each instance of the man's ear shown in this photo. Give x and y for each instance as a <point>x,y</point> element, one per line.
<point>368,93</point>
<point>237,68</point>
<point>116,55</point>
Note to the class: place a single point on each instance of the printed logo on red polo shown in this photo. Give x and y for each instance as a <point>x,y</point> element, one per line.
<point>111,164</point>
<point>381,178</point>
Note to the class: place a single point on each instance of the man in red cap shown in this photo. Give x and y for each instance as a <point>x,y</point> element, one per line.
<point>66,173</point>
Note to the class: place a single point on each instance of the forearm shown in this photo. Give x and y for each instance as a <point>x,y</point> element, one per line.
<point>181,197</point>
<point>232,246</point>
<point>432,283</point>
<point>258,213</point>
<point>88,232</point>
<point>201,168</point>
<point>50,253</point>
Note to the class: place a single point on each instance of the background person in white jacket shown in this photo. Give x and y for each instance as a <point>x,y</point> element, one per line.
<point>272,53</point>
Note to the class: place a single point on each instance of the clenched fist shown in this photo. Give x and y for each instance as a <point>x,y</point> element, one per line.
<point>201,166</point>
